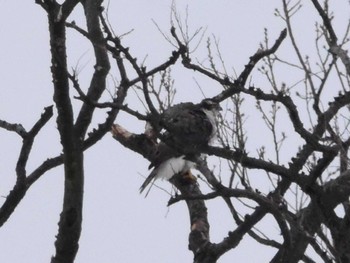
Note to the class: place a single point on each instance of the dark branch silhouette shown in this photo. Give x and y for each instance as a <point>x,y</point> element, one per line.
<point>307,180</point>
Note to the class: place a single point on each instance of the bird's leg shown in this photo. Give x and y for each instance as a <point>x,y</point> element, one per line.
<point>188,178</point>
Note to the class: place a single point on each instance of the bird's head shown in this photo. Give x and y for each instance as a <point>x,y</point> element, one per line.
<point>210,105</point>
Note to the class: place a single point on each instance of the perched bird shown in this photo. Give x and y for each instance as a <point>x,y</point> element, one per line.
<point>188,124</point>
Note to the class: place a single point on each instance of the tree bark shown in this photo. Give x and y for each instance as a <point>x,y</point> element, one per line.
<point>71,216</point>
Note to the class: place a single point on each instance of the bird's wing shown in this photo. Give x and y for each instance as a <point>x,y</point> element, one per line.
<point>189,123</point>
<point>162,153</point>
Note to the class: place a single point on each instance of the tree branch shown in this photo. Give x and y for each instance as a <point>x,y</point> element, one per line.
<point>15,127</point>
<point>71,217</point>
<point>98,82</point>
<point>28,143</point>
<point>238,85</point>
<point>327,22</point>
<point>20,188</point>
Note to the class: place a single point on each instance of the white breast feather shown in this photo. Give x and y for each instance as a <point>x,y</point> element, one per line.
<point>212,117</point>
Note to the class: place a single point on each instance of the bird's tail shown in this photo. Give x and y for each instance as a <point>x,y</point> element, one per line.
<point>148,180</point>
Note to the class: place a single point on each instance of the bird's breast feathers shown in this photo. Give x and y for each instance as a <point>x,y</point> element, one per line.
<point>212,117</point>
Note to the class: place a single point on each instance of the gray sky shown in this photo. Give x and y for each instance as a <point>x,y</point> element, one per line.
<point>119,224</point>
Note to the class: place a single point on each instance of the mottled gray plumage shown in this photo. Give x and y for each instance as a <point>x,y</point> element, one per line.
<point>186,124</point>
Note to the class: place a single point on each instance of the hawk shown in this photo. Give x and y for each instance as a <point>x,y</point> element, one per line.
<point>188,124</point>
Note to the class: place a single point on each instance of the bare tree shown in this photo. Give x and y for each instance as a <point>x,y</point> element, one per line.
<point>309,218</point>
<point>308,191</point>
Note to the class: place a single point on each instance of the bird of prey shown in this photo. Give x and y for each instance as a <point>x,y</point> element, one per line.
<point>188,124</point>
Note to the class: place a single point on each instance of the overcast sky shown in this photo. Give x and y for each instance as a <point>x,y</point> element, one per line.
<point>119,224</point>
